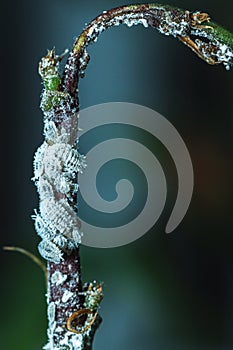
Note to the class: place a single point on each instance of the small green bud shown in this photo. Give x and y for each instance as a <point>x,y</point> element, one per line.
<point>52,82</point>
<point>49,71</point>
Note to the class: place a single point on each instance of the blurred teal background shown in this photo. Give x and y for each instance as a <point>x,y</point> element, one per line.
<point>163,291</point>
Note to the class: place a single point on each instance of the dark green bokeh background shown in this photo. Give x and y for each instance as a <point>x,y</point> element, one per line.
<point>163,291</point>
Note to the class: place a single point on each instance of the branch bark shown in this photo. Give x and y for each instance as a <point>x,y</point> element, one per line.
<point>73,307</point>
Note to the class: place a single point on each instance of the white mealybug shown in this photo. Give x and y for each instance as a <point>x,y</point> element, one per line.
<point>48,233</point>
<point>49,251</point>
<point>56,165</point>
<point>61,217</point>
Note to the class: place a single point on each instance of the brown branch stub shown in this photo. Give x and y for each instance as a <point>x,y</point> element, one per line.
<point>76,320</point>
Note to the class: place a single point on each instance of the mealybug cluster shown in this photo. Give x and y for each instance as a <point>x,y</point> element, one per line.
<point>56,165</point>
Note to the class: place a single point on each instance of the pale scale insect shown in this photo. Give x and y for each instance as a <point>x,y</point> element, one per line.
<point>49,251</point>
<point>62,182</point>
<point>62,218</point>
<point>61,164</point>
<point>55,157</point>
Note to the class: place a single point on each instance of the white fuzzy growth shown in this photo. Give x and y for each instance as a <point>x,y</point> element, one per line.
<point>136,21</point>
<point>127,19</point>
<point>168,25</point>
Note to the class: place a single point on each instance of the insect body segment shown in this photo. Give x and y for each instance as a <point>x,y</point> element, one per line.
<point>56,165</point>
